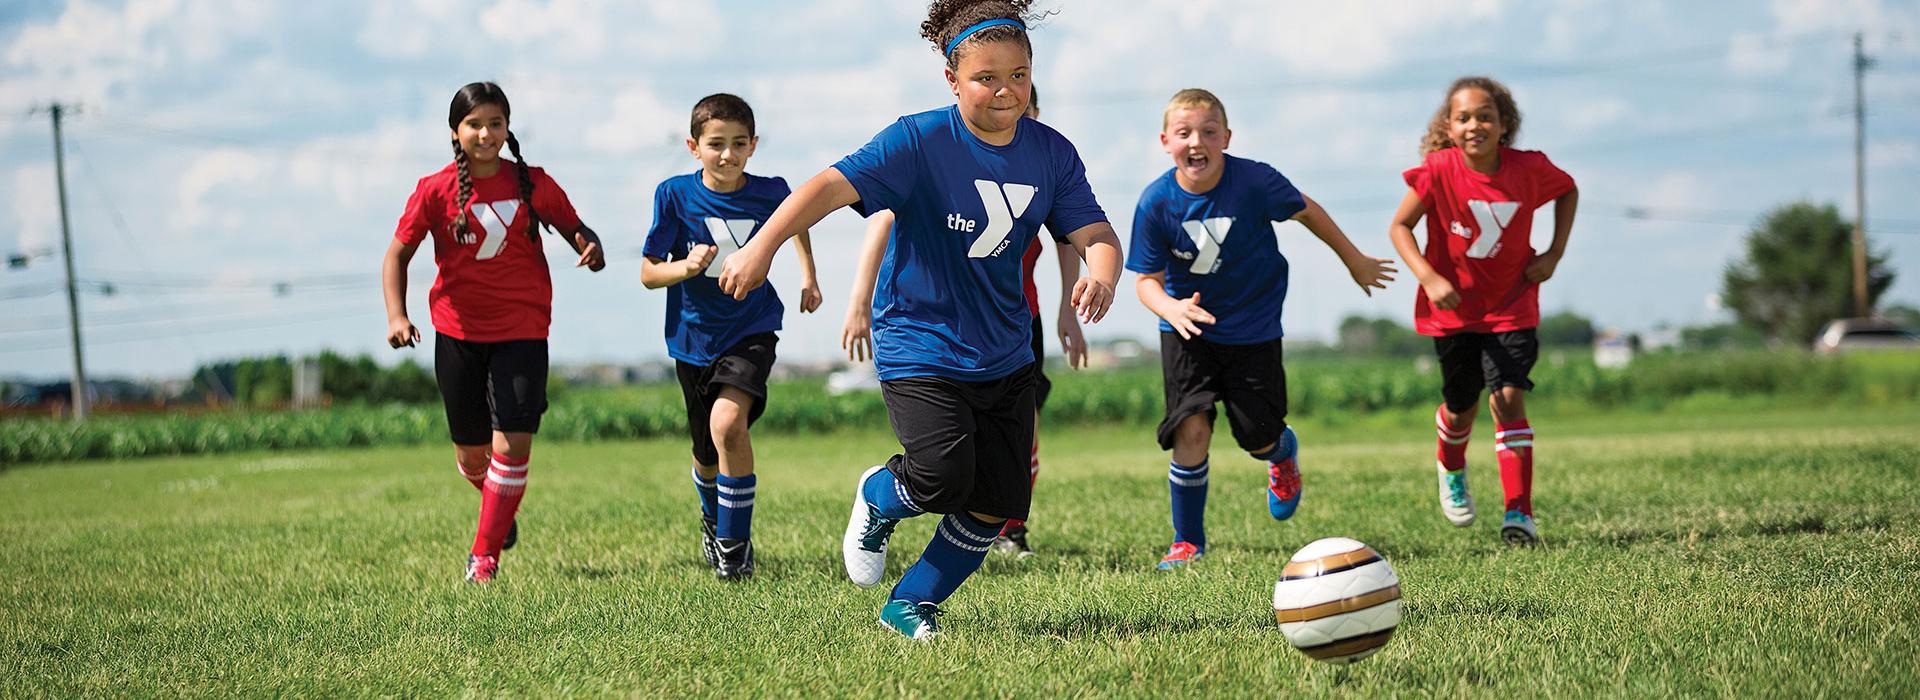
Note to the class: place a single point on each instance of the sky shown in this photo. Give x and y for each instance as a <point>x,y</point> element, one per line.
<point>235,168</point>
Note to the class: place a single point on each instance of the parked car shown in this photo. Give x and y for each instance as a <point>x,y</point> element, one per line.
<point>1850,334</point>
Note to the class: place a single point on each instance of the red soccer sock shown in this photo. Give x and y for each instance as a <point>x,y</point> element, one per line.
<point>1513,445</point>
<point>1033,473</point>
<point>499,500</point>
<point>1453,441</point>
<point>475,477</point>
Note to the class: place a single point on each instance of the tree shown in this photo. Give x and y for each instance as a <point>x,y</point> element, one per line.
<point>1904,315</point>
<point>1797,273</point>
<point>1360,335</point>
<point>1566,329</point>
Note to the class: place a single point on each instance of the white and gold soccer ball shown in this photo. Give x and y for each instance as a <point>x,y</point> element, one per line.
<point>1337,601</point>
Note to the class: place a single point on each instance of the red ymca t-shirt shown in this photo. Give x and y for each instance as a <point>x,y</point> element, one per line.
<point>493,284</point>
<point>1031,259</point>
<point>1479,231</point>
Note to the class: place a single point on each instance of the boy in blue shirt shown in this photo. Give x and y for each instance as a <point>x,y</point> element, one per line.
<point>723,348</point>
<point>1204,229</point>
<point>970,186</point>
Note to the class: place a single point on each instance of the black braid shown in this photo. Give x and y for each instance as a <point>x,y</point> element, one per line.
<point>526,187</point>
<point>466,190</point>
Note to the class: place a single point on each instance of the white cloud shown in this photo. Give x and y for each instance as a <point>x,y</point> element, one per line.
<point>1892,154</point>
<point>574,28</point>
<point>204,177</point>
<point>637,120</point>
<point>36,208</point>
<point>410,28</point>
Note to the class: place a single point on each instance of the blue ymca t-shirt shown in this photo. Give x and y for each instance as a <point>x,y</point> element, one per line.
<point>949,301</point>
<point>1220,244</point>
<point>703,321</point>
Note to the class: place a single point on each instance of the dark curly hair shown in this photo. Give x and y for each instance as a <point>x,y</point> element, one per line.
<point>947,18</point>
<point>1437,138</point>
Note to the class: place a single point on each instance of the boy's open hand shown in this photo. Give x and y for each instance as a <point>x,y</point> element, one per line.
<point>1091,297</point>
<point>1541,268</point>
<point>1072,341</point>
<point>1371,273</point>
<point>1185,315</point>
<point>857,336</point>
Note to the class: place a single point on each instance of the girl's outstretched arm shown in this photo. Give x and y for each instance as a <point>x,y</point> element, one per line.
<point>1440,291</point>
<point>1100,246</point>
<point>1067,326</point>
<point>1369,272</point>
<point>746,269</point>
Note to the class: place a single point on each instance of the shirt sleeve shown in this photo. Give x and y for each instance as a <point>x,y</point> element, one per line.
<point>1420,179</point>
<point>663,235</point>
<point>1074,206</point>
<point>1549,181</point>
<point>1147,251</point>
<point>1283,200</point>
<point>552,203</point>
<point>422,215</point>
<point>885,170</point>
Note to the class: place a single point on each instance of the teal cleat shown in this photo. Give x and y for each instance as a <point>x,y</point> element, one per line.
<point>915,621</point>
<point>1455,502</point>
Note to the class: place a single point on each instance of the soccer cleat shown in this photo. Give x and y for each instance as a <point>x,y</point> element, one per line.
<point>1455,503</point>
<point>736,559</point>
<point>1013,542</point>
<point>916,621</point>
<point>1283,489</point>
<point>1179,556</point>
<point>513,535</point>
<point>1517,529</point>
<point>709,541</point>
<point>482,569</point>
<point>864,545</point>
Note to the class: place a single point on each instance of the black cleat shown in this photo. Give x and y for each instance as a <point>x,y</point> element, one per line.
<point>513,535</point>
<point>736,559</point>
<point>709,542</point>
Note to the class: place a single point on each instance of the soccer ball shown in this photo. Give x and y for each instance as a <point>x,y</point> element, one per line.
<point>1337,601</point>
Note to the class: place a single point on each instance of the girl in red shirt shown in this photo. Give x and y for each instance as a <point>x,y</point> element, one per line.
<point>1480,281</point>
<point>491,303</point>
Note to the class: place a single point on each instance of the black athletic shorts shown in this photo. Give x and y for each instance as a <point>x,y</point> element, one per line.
<point>1042,386</point>
<point>1198,373</point>
<point>490,386</point>
<point>1469,361</point>
<point>744,366</point>
<point>968,444</point>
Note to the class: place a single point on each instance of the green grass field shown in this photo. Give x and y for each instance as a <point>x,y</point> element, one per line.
<point>1758,552</point>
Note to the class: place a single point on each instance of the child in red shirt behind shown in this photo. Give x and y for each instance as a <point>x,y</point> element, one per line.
<point>1480,281</point>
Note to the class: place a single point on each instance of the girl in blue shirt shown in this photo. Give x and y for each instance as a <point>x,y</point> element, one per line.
<point>970,185</point>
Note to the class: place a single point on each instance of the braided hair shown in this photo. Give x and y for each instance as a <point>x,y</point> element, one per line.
<point>470,97</point>
<point>948,18</point>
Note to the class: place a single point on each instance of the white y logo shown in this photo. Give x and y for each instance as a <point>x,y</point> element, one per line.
<point>1493,218</point>
<point>1207,235</point>
<point>493,218</point>
<point>1000,215</point>
<point>728,235</point>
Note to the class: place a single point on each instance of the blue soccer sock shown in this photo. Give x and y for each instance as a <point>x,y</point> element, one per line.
<point>887,494</point>
<point>1284,448</point>
<point>1188,490</point>
<point>708,495</point>
<point>959,545</point>
<point>736,507</point>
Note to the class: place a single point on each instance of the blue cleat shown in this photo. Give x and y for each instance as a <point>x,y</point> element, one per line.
<point>1179,556</point>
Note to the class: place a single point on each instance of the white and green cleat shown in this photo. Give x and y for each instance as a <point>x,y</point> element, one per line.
<point>1455,502</point>
<point>1517,529</point>
<point>863,548</point>
<point>915,621</point>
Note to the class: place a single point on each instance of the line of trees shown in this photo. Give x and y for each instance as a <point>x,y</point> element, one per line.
<point>268,381</point>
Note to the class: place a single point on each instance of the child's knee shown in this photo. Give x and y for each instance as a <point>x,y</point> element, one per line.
<point>1195,432</point>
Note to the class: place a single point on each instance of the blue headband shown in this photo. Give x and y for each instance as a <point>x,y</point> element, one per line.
<point>970,31</point>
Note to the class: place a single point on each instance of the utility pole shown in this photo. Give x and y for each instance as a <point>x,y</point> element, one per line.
<point>79,386</point>
<point>1860,65</point>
